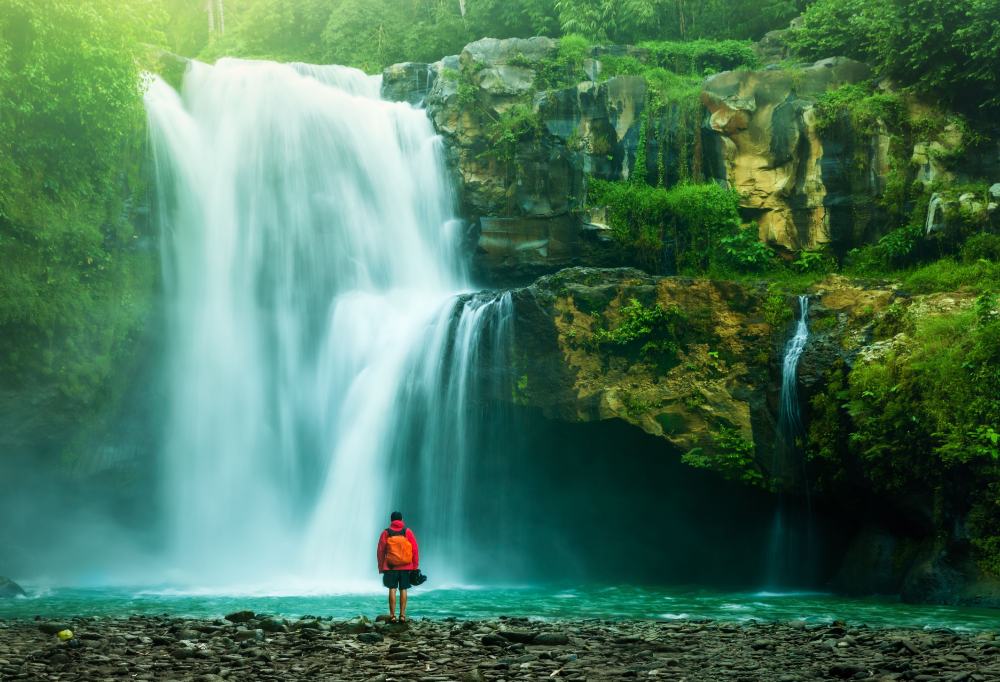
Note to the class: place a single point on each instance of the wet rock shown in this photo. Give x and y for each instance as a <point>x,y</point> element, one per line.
<point>519,636</point>
<point>240,616</point>
<point>370,638</point>
<point>551,638</point>
<point>9,588</point>
<point>52,627</point>
<point>273,625</point>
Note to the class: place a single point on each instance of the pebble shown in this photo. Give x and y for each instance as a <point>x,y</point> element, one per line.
<point>247,646</point>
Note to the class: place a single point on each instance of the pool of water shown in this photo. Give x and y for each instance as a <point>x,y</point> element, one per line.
<point>604,602</point>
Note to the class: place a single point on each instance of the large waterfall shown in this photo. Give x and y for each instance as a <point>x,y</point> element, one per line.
<point>320,355</point>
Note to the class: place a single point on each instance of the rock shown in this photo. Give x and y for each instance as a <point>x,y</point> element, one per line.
<point>519,636</point>
<point>995,191</point>
<point>845,670</point>
<point>569,378</point>
<point>9,589</point>
<point>273,625</point>
<point>370,637</point>
<point>408,82</point>
<point>249,635</point>
<point>187,634</point>
<point>240,616</point>
<point>355,625</point>
<point>551,639</point>
<point>493,640</point>
<point>52,627</point>
<point>773,155</point>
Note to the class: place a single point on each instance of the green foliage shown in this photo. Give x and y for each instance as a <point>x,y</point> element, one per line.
<point>745,252</point>
<point>949,275</point>
<point>687,222</point>
<point>926,415</point>
<point>566,68</point>
<point>71,134</point>
<point>652,332</point>
<point>777,312</point>
<point>813,261</point>
<point>518,123</point>
<point>732,456</point>
<point>946,49</point>
<point>866,110</point>
<point>984,246</point>
<point>701,56</point>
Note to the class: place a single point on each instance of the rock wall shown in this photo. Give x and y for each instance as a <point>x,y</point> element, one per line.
<point>790,180</point>
<point>523,190</point>
<point>588,348</point>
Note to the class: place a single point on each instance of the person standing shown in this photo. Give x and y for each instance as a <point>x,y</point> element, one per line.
<point>397,555</point>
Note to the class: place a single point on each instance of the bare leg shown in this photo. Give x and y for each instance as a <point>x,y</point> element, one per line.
<point>402,604</point>
<point>392,602</point>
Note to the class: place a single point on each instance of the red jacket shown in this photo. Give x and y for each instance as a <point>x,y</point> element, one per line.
<point>382,547</point>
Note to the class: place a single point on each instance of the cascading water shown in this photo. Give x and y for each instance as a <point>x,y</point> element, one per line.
<point>782,560</point>
<point>789,421</point>
<point>311,274</point>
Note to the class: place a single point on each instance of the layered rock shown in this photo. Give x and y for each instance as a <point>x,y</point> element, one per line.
<point>790,180</point>
<point>715,382</point>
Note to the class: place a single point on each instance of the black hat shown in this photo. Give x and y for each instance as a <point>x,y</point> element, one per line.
<point>396,516</point>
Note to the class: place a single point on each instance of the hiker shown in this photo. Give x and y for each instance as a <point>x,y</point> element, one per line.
<point>397,555</point>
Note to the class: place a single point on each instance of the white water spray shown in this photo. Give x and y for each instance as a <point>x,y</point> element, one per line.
<point>311,273</point>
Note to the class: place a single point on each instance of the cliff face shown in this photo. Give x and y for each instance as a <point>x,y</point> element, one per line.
<point>522,145</point>
<point>697,363</point>
<point>791,180</point>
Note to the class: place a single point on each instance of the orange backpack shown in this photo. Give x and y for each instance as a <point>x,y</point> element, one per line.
<point>399,551</point>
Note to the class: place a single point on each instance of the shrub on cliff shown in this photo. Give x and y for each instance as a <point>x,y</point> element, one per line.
<point>950,50</point>
<point>924,416</point>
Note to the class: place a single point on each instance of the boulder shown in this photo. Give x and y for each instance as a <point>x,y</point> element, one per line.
<point>9,588</point>
<point>408,82</point>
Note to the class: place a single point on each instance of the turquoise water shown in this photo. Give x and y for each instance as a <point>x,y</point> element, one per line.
<point>536,602</point>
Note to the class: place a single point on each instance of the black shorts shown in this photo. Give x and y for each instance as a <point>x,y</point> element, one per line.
<point>396,580</point>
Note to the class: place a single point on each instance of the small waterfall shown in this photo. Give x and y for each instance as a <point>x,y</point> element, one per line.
<point>320,340</point>
<point>784,562</point>
<point>789,418</point>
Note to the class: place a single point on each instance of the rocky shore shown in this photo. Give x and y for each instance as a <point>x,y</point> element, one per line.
<point>248,646</point>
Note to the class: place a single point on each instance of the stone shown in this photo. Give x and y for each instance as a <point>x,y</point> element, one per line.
<point>240,616</point>
<point>52,627</point>
<point>10,589</point>
<point>370,637</point>
<point>249,635</point>
<point>551,639</point>
<point>273,625</point>
<point>519,636</point>
<point>408,82</point>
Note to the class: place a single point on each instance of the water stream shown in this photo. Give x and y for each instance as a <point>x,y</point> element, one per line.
<point>790,547</point>
<point>313,284</point>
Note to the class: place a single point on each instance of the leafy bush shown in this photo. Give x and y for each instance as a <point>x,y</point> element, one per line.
<point>983,246</point>
<point>864,108</point>
<point>651,331</point>
<point>946,49</point>
<point>745,252</point>
<point>686,223</point>
<point>927,415</point>
<point>733,457</point>
<point>701,56</point>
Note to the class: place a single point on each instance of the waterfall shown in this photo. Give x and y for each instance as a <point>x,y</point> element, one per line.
<point>789,420</point>
<point>316,323</point>
<point>784,561</point>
